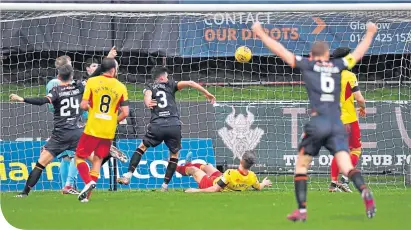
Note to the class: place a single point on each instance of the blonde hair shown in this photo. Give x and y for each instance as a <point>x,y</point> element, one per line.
<point>62,60</point>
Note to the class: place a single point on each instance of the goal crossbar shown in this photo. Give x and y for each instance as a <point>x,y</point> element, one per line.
<point>202,7</point>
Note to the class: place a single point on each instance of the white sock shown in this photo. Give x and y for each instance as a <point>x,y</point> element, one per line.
<point>164,185</point>
<point>128,175</point>
<point>303,210</point>
<point>345,178</point>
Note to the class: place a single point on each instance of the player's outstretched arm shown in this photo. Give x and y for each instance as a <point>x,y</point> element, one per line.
<point>30,100</point>
<point>184,84</point>
<point>265,183</point>
<point>214,188</point>
<point>273,45</point>
<point>363,46</point>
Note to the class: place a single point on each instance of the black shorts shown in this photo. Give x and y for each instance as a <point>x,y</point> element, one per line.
<point>62,140</point>
<point>323,131</point>
<point>171,135</point>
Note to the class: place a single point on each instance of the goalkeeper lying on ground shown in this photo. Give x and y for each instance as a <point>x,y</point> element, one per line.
<point>209,179</point>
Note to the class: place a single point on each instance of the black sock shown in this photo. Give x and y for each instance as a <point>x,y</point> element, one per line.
<point>33,178</point>
<point>135,160</point>
<point>105,159</point>
<point>300,185</point>
<point>357,179</point>
<point>171,169</point>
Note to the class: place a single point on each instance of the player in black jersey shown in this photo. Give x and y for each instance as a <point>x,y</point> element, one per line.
<point>322,78</point>
<point>66,99</point>
<point>165,122</point>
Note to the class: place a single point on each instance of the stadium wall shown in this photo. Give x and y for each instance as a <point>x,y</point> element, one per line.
<point>273,129</point>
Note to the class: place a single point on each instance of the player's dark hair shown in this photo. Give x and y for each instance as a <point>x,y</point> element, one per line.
<point>319,48</point>
<point>107,64</point>
<point>65,72</point>
<point>90,61</point>
<point>341,52</point>
<point>248,159</point>
<point>157,71</point>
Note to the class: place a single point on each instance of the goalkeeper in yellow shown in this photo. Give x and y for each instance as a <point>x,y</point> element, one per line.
<point>349,92</point>
<point>209,179</point>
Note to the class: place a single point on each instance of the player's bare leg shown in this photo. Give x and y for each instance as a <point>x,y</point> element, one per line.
<point>45,158</point>
<point>208,169</point>
<point>300,185</point>
<point>135,160</point>
<point>196,173</point>
<point>344,162</point>
<point>355,154</point>
<point>171,169</point>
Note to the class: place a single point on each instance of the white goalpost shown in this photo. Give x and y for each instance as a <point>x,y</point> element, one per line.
<point>261,105</point>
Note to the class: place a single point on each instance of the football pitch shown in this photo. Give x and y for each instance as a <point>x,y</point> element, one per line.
<point>229,211</point>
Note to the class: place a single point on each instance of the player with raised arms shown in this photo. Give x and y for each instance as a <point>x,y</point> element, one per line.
<point>209,179</point>
<point>349,92</point>
<point>103,97</point>
<point>165,124</point>
<point>66,99</point>
<point>322,78</point>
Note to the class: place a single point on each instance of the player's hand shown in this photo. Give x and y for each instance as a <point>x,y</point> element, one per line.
<point>15,97</point>
<point>112,53</point>
<point>210,98</point>
<point>266,182</point>
<point>361,112</point>
<point>371,28</point>
<point>257,28</point>
<point>152,104</point>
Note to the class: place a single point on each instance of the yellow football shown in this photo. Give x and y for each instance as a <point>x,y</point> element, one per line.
<point>243,54</point>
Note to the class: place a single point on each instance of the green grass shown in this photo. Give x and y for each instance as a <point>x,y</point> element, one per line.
<point>249,93</point>
<point>226,211</point>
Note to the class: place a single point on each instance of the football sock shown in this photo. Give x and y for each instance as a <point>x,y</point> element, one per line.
<point>182,170</point>
<point>94,175</point>
<point>105,159</point>
<point>83,170</point>
<point>357,179</point>
<point>72,174</point>
<point>300,185</point>
<point>334,170</point>
<point>354,157</point>
<point>171,168</point>
<point>33,177</point>
<point>64,169</point>
<point>135,160</point>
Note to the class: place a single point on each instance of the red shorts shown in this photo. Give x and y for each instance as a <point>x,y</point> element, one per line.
<point>207,181</point>
<point>354,134</point>
<point>89,144</point>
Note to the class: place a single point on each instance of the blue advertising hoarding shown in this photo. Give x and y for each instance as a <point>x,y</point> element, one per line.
<point>17,158</point>
<point>220,34</point>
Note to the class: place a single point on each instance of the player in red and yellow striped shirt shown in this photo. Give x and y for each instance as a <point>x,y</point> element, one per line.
<point>349,92</point>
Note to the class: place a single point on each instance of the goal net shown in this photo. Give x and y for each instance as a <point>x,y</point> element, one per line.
<point>261,105</point>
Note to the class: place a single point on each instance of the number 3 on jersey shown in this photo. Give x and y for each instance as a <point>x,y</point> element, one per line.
<point>327,86</point>
<point>162,99</point>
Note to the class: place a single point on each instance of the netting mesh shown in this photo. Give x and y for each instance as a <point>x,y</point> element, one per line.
<point>261,105</point>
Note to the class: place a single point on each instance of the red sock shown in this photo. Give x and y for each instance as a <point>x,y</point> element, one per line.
<point>334,170</point>
<point>354,159</point>
<point>197,165</point>
<point>83,170</point>
<point>182,169</point>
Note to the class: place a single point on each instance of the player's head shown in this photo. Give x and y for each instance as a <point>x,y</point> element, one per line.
<point>248,159</point>
<point>159,74</point>
<point>109,66</point>
<point>341,52</point>
<point>62,60</point>
<point>320,51</point>
<point>91,65</point>
<point>65,73</point>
